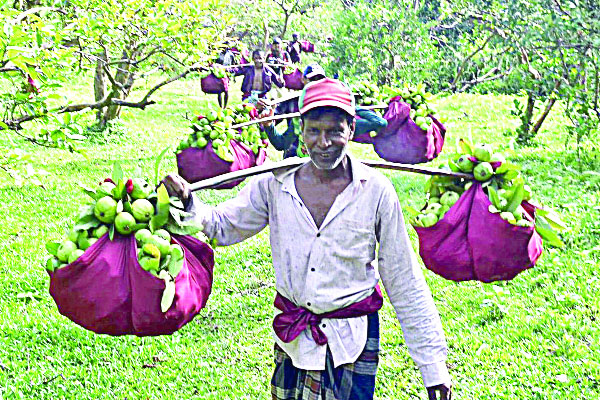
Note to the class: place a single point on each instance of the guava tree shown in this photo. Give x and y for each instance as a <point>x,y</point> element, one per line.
<point>116,43</point>
<point>383,41</point>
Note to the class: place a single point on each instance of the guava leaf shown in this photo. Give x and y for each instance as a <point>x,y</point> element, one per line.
<point>175,202</point>
<point>111,232</point>
<point>506,166</point>
<point>164,262</point>
<point>511,174</point>
<point>137,227</point>
<point>412,212</point>
<point>119,206</point>
<point>94,194</point>
<point>162,209</point>
<point>517,198</point>
<point>86,210</point>
<point>168,296</point>
<point>117,173</point>
<point>120,191</point>
<point>494,198</point>
<point>175,266</point>
<point>428,185</point>
<point>465,147</point>
<point>157,164</point>
<point>544,229</point>
<point>127,207</point>
<point>52,248</point>
<point>553,218</point>
<point>87,222</point>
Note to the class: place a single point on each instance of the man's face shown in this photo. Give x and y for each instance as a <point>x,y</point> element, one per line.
<point>326,139</point>
<point>258,60</point>
<point>276,48</point>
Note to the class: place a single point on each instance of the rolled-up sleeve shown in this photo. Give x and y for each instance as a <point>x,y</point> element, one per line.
<point>236,219</point>
<point>409,293</point>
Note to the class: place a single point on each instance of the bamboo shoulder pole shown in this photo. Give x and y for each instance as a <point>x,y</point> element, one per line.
<point>297,161</point>
<point>292,115</point>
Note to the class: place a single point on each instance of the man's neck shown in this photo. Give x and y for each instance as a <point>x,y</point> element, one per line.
<point>328,175</point>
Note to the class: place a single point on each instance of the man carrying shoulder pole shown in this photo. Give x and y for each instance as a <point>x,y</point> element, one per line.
<point>326,218</point>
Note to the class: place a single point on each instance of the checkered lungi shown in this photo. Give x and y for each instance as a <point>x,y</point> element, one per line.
<point>354,381</point>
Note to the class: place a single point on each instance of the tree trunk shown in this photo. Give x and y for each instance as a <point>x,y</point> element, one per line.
<point>99,85</point>
<point>121,77</point>
<point>285,25</point>
<point>542,118</point>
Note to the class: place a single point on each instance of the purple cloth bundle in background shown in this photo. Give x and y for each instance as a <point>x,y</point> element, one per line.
<point>293,81</point>
<point>194,164</point>
<point>213,85</point>
<point>106,291</point>
<point>403,141</point>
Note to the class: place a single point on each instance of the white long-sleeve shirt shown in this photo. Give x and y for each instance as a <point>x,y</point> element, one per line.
<point>327,268</point>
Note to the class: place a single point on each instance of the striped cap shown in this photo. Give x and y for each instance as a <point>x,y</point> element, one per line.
<point>327,93</point>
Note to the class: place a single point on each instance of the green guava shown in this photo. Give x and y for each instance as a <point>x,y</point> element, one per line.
<point>176,251</point>
<point>429,219</point>
<point>433,208</point>
<point>100,231</point>
<point>161,243</point>
<point>65,249</point>
<point>483,152</point>
<point>53,264</point>
<point>107,187</point>
<point>87,243</point>
<point>464,163</point>
<point>163,234</point>
<point>142,210</point>
<point>142,236</point>
<point>483,171</point>
<point>75,255</point>
<point>449,198</point>
<point>124,223</point>
<point>106,209</point>
<point>141,189</point>
<point>73,236</point>
<point>508,216</point>
<point>151,250</point>
<point>443,211</point>
<point>149,263</point>
<point>498,157</point>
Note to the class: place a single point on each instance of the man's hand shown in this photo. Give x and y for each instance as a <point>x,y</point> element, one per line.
<point>445,392</point>
<point>178,187</point>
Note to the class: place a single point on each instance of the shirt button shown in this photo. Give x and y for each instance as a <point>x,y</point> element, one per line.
<point>308,303</point>
<point>323,326</point>
<point>319,234</point>
<point>312,269</point>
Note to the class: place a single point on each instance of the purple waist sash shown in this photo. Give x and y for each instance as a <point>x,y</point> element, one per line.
<point>294,319</point>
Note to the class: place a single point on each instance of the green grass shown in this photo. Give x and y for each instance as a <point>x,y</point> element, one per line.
<point>535,337</point>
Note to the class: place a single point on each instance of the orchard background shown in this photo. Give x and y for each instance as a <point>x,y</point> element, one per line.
<point>118,82</point>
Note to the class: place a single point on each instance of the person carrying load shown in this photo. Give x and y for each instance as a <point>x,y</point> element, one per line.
<point>336,229</point>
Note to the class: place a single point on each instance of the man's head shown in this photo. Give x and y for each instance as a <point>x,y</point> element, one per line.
<point>295,37</point>
<point>276,46</point>
<point>258,57</point>
<point>327,113</point>
<point>313,72</point>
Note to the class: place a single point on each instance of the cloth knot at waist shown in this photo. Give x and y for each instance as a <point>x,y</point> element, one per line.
<point>294,319</point>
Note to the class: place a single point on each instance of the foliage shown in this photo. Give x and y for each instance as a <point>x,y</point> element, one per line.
<point>531,338</point>
<point>383,41</point>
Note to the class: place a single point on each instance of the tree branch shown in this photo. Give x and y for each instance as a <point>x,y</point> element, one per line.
<point>463,64</point>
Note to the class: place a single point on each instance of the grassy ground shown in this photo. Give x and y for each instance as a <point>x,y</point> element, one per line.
<point>535,337</point>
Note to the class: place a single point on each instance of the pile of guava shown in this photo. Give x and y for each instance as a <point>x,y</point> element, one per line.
<point>500,180</point>
<point>417,98</point>
<point>218,72</point>
<point>215,128</point>
<point>367,93</point>
<point>127,206</point>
